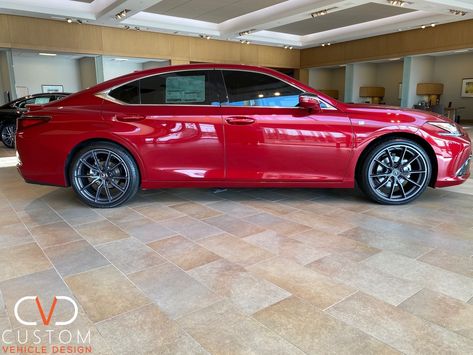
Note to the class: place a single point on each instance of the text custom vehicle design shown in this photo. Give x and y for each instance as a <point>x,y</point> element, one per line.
<point>207,125</point>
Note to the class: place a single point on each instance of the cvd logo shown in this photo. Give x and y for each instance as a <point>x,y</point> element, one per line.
<point>46,320</point>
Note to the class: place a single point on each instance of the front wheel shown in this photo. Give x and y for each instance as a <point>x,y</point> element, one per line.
<point>395,172</point>
<point>8,135</point>
<point>104,175</point>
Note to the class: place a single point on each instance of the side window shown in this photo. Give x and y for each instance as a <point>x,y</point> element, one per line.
<point>128,93</point>
<point>260,90</point>
<point>186,88</point>
<point>23,103</point>
<point>42,100</point>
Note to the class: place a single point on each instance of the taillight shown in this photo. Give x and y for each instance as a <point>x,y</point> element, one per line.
<point>26,121</point>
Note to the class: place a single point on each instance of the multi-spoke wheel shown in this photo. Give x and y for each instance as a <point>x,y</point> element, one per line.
<point>104,175</point>
<point>395,172</point>
<point>8,135</point>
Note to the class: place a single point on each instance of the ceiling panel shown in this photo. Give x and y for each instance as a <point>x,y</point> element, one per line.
<point>354,15</point>
<point>210,10</point>
<point>88,1</point>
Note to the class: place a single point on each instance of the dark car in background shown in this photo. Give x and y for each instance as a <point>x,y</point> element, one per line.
<point>10,112</point>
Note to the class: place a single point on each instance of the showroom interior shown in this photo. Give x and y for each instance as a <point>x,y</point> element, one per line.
<point>239,270</point>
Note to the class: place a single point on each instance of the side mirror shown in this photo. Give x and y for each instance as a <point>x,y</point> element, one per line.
<point>309,102</point>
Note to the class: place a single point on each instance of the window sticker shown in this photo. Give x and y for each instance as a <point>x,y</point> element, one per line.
<point>182,89</point>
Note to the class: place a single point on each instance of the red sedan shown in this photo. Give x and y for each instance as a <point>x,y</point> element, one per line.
<point>233,126</point>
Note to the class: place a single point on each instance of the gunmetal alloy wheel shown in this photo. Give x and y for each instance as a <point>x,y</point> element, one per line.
<point>396,172</point>
<point>104,175</point>
<point>8,135</point>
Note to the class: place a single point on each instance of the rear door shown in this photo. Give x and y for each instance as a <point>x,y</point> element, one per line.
<point>269,138</point>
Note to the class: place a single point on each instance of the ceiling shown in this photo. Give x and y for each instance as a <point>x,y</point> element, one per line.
<point>269,22</point>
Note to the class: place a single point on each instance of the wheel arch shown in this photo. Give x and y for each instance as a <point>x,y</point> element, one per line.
<point>86,142</point>
<point>405,135</point>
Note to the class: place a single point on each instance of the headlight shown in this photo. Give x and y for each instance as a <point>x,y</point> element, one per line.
<point>450,129</point>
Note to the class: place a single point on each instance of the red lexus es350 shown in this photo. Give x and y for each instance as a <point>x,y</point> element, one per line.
<point>210,125</point>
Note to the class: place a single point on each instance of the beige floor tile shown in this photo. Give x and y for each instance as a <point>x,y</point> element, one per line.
<point>54,234</point>
<point>448,261</point>
<point>248,293</point>
<point>387,241</point>
<point>235,226</point>
<point>191,228</point>
<point>147,331</point>
<point>78,214</point>
<point>301,281</point>
<point>8,216</point>
<point>372,281</point>
<point>14,234</point>
<point>244,336</point>
<point>184,253</point>
<point>235,250</point>
<point>316,332</point>
<point>280,225</point>
<point>235,209</point>
<point>324,223</point>
<point>46,285</point>
<point>105,293</point>
<point>146,230</point>
<point>435,278</point>
<point>445,311</point>
<point>408,214</point>
<point>75,257</point>
<point>398,328</point>
<point>22,260</point>
<point>335,244</point>
<point>120,215</point>
<point>174,291</point>
<point>195,210</point>
<point>130,255</point>
<point>289,248</point>
<point>38,216</point>
<point>158,212</point>
<point>275,208</point>
<point>101,232</point>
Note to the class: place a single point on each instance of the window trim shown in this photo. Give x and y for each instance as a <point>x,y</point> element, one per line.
<point>105,93</point>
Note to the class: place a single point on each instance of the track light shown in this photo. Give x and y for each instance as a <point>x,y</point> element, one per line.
<point>121,14</point>
<point>400,3</point>
<point>69,20</point>
<point>319,13</point>
<point>326,44</point>
<point>246,33</point>
<point>457,12</point>
<point>244,41</point>
<point>204,36</point>
<point>430,25</point>
<point>288,47</point>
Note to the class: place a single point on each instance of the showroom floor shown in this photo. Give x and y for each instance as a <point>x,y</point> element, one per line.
<point>244,271</point>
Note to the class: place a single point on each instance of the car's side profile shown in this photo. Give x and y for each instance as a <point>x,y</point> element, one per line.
<point>209,125</point>
<point>10,112</point>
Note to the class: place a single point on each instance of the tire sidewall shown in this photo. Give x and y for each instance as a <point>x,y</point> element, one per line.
<point>129,161</point>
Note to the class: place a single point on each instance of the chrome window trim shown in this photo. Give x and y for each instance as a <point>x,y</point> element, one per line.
<point>105,93</point>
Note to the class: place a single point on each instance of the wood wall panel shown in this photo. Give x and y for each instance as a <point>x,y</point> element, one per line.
<point>451,36</point>
<point>40,34</point>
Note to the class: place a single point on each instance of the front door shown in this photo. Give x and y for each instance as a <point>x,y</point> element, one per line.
<point>269,138</point>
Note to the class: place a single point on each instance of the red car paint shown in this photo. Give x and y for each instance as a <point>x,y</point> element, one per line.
<point>224,146</point>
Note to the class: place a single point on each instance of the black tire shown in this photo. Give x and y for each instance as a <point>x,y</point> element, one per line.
<point>104,175</point>
<point>8,134</point>
<point>395,172</point>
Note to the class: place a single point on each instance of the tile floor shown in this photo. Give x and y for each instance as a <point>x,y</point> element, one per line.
<point>248,271</point>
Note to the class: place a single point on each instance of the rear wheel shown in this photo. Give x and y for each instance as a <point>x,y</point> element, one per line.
<point>8,135</point>
<point>104,175</point>
<point>395,172</point>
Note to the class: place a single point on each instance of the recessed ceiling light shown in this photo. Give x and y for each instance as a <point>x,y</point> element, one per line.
<point>69,20</point>
<point>457,12</point>
<point>48,54</point>
<point>122,14</point>
<point>322,12</point>
<point>244,41</point>
<point>247,32</point>
<point>398,3</point>
<point>204,36</point>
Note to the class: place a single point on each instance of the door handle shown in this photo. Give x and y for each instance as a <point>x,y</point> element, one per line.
<point>240,120</point>
<point>130,118</point>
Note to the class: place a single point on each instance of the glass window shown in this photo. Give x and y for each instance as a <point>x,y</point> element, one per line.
<point>41,100</point>
<point>187,88</point>
<point>254,89</point>
<point>128,93</point>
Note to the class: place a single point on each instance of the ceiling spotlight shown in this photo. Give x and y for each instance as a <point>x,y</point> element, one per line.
<point>137,28</point>
<point>204,36</point>
<point>122,14</point>
<point>457,12</point>
<point>244,41</point>
<point>423,27</point>
<point>326,44</point>
<point>432,25</point>
<point>79,21</point>
<point>398,3</point>
<point>69,20</point>
<point>247,32</point>
<point>288,47</point>
<point>126,27</point>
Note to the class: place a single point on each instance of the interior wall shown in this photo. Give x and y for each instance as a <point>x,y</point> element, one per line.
<point>153,64</point>
<point>450,71</point>
<point>416,70</point>
<point>389,76</point>
<point>114,68</point>
<point>328,79</point>
<point>364,74</point>
<point>88,75</point>
<point>34,71</point>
